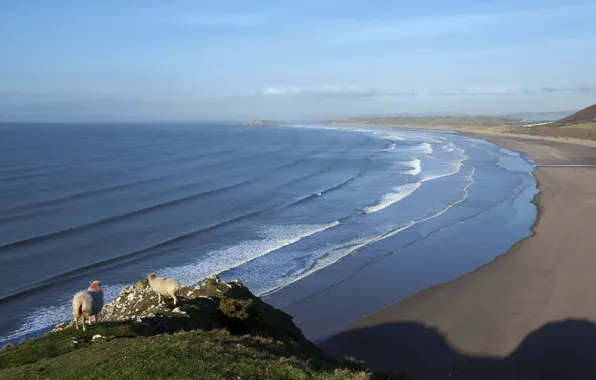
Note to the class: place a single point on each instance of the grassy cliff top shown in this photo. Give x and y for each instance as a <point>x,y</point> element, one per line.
<point>218,330</point>
<point>587,116</point>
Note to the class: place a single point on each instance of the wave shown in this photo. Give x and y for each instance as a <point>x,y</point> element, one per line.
<point>424,148</point>
<point>21,177</point>
<point>398,193</point>
<point>158,206</point>
<point>415,165</point>
<point>49,316</point>
<point>102,222</point>
<point>119,260</point>
<point>333,255</point>
<point>221,260</point>
<point>451,168</point>
<point>32,168</point>
<point>159,247</point>
<point>328,256</point>
<point>59,202</point>
<point>126,171</point>
<point>318,194</point>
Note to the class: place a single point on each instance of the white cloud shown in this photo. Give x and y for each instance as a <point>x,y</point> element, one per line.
<point>485,90</point>
<point>514,90</point>
<point>280,90</point>
<point>580,87</point>
<point>332,91</point>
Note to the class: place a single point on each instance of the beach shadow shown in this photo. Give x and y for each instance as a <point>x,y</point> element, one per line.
<point>563,350</point>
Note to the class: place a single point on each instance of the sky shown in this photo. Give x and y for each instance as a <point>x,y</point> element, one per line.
<point>292,60</point>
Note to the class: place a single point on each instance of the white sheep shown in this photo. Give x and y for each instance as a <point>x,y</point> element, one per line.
<point>87,303</point>
<point>164,286</point>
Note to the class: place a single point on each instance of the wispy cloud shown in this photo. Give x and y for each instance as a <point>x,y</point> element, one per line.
<point>333,91</point>
<point>514,90</point>
<point>280,91</point>
<point>484,90</point>
<point>347,92</point>
<point>580,87</point>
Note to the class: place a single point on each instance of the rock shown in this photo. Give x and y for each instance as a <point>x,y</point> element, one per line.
<point>60,326</point>
<point>215,304</point>
<point>98,337</point>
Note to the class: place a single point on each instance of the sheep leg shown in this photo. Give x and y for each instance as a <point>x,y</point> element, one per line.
<point>76,322</point>
<point>158,298</point>
<point>174,297</point>
<point>84,327</point>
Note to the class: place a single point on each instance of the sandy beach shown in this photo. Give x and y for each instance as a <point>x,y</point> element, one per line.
<point>528,314</point>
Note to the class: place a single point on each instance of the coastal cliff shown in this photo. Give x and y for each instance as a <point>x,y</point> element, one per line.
<point>218,330</point>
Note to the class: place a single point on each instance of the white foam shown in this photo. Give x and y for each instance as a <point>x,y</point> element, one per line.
<point>221,260</point>
<point>424,148</point>
<point>415,165</point>
<point>346,249</point>
<point>398,193</point>
<point>447,169</point>
<point>330,255</point>
<point>49,316</point>
<point>449,147</point>
<point>274,238</point>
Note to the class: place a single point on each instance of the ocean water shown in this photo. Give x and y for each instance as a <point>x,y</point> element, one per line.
<point>291,211</point>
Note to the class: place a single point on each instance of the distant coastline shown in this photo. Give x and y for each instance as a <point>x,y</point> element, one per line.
<point>264,122</point>
<point>429,121</point>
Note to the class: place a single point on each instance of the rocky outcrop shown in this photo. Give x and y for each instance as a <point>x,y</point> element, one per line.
<point>213,304</point>
<point>218,330</point>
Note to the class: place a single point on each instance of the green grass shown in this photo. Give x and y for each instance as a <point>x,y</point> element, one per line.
<point>214,354</point>
<point>585,131</point>
<point>231,335</point>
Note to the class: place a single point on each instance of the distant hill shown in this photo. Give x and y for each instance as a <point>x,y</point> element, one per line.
<point>587,115</point>
<point>540,116</point>
<point>429,121</point>
<point>581,125</point>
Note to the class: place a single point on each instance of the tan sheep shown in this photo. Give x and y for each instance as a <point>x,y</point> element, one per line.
<point>164,286</point>
<point>87,303</point>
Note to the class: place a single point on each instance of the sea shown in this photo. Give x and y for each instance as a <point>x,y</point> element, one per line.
<point>297,213</point>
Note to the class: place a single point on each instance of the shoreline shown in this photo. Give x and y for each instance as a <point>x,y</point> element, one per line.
<point>416,258</point>
<point>486,323</point>
<point>488,131</point>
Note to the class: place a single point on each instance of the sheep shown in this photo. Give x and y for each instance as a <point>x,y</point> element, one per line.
<point>87,303</point>
<point>164,286</point>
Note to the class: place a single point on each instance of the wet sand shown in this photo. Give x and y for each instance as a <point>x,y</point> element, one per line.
<point>529,313</point>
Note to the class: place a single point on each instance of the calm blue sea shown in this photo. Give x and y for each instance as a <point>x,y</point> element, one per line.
<point>290,211</point>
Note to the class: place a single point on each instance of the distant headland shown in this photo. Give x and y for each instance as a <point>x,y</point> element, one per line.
<point>265,122</point>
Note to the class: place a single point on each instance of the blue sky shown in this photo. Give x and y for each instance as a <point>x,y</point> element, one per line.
<point>309,59</point>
